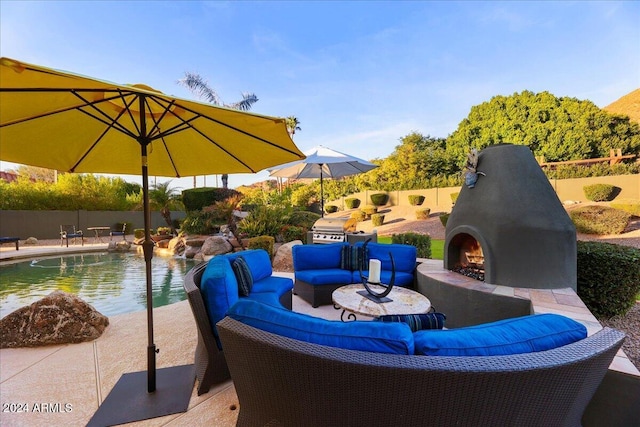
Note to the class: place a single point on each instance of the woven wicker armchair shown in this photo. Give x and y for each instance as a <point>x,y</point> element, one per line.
<point>285,382</point>
<point>210,364</point>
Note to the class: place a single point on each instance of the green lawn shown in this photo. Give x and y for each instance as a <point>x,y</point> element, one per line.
<point>437,246</point>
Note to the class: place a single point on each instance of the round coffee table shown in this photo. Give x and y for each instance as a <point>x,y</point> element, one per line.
<point>403,301</point>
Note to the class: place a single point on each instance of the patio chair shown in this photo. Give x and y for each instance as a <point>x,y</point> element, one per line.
<point>119,233</point>
<point>69,232</point>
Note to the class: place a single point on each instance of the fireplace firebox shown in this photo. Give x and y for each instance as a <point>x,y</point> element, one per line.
<point>511,227</point>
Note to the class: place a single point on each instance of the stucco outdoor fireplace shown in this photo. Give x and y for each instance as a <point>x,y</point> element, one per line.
<point>511,228</point>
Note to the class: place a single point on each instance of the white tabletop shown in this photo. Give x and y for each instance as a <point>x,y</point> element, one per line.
<point>403,301</point>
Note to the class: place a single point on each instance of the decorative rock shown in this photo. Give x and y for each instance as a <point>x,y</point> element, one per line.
<point>216,245</point>
<point>31,241</point>
<point>163,244</point>
<point>283,260</point>
<point>191,251</point>
<point>194,241</point>
<point>58,318</point>
<point>121,246</point>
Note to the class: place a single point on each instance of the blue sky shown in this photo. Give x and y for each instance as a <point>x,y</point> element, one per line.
<point>358,75</point>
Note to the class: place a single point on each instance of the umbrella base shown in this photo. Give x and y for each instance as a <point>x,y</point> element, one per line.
<point>129,400</point>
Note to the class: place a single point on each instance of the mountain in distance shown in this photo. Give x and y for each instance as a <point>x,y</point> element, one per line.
<point>628,105</point>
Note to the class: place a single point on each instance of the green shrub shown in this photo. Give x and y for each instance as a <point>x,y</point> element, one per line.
<point>444,218</point>
<point>352,203</point>
<point>416,199</point>
<point>379,199</point>
<point>201,222</point>
<point>628,205</point>
<point>599,220</point>
<point>262,242</point>
<point>195,199</point>
<point>369,210</point>
<point>600,192</point>
<point>289,233</point>
<point>423,213</point>
<point>422,242</point>
<point>265,221</point>
<point>138,233</point>
<point>163,230</point>
<point>304,219</point>
<point>359,216</point>
<point>454,197</point>
<point>331,209</point>
<point>608,277</point>
<point>377,219</point>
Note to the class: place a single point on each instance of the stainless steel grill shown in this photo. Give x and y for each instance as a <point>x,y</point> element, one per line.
<point>329,230</point>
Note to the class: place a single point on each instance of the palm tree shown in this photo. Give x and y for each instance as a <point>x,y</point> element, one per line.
<point>292,123</point>
<point>200,88</point>
<point>164,199</point>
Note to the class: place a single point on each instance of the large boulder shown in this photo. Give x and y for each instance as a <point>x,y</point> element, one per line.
<point>283,260</point>
<point>58,318</point>
<point>215,245</point>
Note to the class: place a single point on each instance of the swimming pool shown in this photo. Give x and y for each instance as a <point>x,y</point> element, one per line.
<point>114,283</point>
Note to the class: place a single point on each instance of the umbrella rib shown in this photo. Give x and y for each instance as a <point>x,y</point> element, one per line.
<point>106,119</point>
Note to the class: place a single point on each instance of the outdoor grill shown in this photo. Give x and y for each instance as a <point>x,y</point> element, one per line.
<point>334,230</point>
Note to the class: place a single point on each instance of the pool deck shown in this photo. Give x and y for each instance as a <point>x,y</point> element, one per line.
<point>79,377</point>
<point>82,375</point>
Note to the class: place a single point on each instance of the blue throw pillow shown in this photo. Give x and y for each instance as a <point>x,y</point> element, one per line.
<point>417,322</point>
<point>525,334</point>
<point>243,276</point>
<point>394,338</point>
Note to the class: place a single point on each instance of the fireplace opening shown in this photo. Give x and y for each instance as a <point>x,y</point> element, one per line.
<point>467,256</point>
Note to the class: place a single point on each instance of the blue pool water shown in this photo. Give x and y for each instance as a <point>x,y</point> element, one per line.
<point>113,283</point>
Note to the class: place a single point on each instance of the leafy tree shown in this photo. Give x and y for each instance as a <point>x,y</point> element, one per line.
<point>292,123</point>
<point>200,88</point>
<point>37,174</point>
<point>557,128</point>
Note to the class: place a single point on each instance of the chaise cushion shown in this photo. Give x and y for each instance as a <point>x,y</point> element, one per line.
<point>525,334</point>
<point>395,338</point>
<point>243,276</point>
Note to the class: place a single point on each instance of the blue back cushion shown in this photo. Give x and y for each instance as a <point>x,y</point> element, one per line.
<point>219,290</point>
<point>314,257</point>
<point>404,256</point>
<point>395,338</point>
<point>526,334</point>
<point>258,261</point>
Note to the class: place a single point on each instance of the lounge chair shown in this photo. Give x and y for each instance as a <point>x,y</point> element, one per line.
<point>69,232</point>
<point>15,240</point>
<point>119,233</point>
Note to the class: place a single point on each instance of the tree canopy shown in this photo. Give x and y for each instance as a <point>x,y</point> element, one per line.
<point>557,128</point>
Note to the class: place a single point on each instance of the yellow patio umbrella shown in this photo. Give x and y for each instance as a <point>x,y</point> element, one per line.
<point>68,122</point>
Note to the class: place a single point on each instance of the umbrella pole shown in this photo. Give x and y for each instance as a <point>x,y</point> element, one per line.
<point>321,193</point>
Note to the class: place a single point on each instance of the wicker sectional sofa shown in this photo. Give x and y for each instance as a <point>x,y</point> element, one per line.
<point>292,376</point>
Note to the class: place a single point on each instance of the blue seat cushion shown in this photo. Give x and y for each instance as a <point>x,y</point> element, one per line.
<point>275,284</point>
<point>404,256</point>
<point>219,289</point>
<point>258,261</point>
<point>328,276</point>
<point>394,338</point>
<point>316,257</point>
<point>525,334</point>
<point>269,298</point>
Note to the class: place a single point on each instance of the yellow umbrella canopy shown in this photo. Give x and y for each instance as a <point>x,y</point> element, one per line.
<point>72,123</point>
<point>68,122</point>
